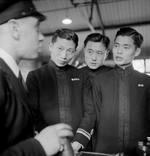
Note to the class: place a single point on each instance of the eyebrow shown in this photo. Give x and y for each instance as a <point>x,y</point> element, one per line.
<point>70,48</point>
<point>123,44</point>
<point>100,51</point>
<point>90,49</point>
<point>127,45</point>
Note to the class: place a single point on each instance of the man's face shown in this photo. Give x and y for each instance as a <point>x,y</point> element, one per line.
<point>95,54</point>
<point>62,51</point>
<point>124,50</point>
<point>31,38</point>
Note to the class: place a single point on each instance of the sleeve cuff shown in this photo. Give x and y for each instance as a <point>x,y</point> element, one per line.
<point>83,132</point>
<point>82,136</point>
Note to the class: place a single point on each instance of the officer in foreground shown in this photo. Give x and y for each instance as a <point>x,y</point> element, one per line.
<point>20,38</point>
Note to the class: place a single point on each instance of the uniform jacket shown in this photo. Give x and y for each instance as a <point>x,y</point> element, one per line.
<point>42,86</point>
<point>15,117</point>
<point>105,90</point>
<point>91,74</point>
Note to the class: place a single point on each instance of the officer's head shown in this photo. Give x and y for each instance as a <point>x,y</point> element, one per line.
<point>19,28</point>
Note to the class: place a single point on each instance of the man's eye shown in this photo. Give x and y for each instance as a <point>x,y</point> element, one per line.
<point>100,53</point>
<point>90,51</point>
<point>126,47</point>
<point>115,45</point>
<point>70,51</point>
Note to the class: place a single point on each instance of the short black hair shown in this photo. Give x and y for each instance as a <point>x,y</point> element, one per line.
<point>67,34</point>
<point>130,32</point>
<point>97,37</point>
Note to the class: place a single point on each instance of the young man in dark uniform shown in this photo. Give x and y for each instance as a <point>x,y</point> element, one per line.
<point>96,48</point>
<point>20,38</point>
<point>57,90</point>
<point>122,99</point>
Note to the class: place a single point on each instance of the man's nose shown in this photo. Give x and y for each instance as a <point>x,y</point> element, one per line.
<point>41,37</point>
<point>119,50</point>
<point>94,56</point>
<point>64,54</point>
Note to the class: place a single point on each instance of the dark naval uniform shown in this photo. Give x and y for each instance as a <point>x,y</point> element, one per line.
<point>59,94</point>
<point>16,121</point>
<point>91,74</point>
<point>122,100</point>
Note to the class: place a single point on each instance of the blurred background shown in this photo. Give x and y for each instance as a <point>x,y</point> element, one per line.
<point>87,16</point>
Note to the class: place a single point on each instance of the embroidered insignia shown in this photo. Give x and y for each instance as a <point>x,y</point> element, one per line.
<point>140,85</point>
<point>75,79</point>
<point>83,132</point>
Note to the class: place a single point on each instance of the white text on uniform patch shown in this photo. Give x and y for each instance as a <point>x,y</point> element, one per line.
<point>75,79</point>
<point>140,85</point>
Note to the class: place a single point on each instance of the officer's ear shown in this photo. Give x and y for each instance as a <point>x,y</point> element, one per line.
<point>14,28</point>
<point>137,52</point>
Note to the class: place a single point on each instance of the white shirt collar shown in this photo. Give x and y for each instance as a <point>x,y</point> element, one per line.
<point>9,61</point>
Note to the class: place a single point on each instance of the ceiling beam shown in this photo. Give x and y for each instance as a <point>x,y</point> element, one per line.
<point>74,4</point>
<point>107,27</point>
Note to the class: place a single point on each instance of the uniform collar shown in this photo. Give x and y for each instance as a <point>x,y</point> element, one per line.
<point>126,71</point>
<point>9,61</point>
<point>128,67</point>
<point>64,68</point>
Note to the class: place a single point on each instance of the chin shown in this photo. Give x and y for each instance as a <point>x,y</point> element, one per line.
<point>91,67</point>
<point>61,65</point>
<point>34,55</point>
<point>119,63</point>
<point>31,58</point>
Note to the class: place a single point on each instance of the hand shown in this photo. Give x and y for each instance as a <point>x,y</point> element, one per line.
<point>76,146</point>
<point>67,151</point>
<point>51,137</point>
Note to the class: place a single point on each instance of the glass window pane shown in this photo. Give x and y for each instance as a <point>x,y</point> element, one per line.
<point>139,65</point>
<point>147,74</point>
<point>147,62</point>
